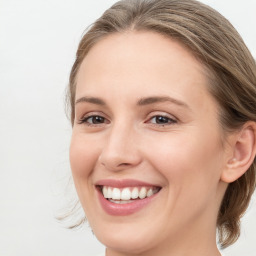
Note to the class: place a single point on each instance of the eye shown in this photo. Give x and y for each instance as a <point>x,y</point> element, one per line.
<point>162,120</point>
<point>93,120</point>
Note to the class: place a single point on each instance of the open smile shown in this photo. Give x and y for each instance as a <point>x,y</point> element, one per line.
<point>125,197</point>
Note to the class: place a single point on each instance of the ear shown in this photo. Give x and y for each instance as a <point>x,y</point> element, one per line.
<point>243,150</point>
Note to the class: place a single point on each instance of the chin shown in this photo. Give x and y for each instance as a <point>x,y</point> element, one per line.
<point>126,238</point>
<point>126,244</point>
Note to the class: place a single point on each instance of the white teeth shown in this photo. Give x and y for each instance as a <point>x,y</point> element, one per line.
<point>109,195</point>
<point>121,201</point>
<point>150,193</point>
<point>135,193</point>
<point>105,192</point>
<point>125,195</point>
<point>143,193</point>
<point>116,194</point>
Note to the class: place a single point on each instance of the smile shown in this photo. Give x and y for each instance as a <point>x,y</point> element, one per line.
<point>128,194</point>
<point>125,197</point>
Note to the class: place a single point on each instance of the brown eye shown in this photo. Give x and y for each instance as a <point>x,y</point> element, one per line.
<point>93,120</point>
<point>162,120</point>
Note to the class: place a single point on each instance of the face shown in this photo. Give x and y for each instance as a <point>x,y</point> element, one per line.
<point>146,135</point>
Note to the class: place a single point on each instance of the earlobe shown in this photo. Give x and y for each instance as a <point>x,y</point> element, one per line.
<point>243,153</point>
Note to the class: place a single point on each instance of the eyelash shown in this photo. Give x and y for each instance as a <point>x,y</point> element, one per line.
<point>84,120</point>
<point>166,120</point>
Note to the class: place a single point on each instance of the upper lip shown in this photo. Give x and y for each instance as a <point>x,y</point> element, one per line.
<point>124,183</point>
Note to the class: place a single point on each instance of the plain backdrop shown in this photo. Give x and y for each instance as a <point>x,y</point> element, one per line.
<point>38,40</point>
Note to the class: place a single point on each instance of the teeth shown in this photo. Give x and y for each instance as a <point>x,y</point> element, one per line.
<point>125,195</point>
<point>150,193</point>
<point>109,195</point>
<point>120,201</point>
<point>135,193</point>
<point>143,193</point>
<point>116,194</point>
<point>105,192</point>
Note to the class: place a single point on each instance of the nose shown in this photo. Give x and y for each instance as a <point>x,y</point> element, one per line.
<point>120,150</point>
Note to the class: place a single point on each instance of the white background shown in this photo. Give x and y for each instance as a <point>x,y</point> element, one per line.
<point>38,40</point>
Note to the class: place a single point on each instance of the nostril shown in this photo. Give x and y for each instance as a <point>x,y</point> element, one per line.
<point>119,160</point>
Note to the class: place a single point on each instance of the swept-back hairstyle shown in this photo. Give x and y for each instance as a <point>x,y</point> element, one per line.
<point>217,45</point>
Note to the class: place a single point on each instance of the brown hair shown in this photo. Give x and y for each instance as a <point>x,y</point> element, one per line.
<point>214,41</point>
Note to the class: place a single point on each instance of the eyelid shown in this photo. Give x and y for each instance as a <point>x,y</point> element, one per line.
<point>162,113</point>
<point>88,115</point>
<point>152,115</point>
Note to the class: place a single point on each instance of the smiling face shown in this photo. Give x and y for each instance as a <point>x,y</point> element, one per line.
<point>146,133</point>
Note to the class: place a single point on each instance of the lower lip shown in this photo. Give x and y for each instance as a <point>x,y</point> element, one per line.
<point>124,209</point>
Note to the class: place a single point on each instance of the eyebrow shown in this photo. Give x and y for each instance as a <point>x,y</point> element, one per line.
<point>158,99</point>
<point>141,101</point>
<point>92,100</point>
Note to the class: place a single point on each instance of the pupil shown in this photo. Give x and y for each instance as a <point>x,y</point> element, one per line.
<point>98,119</point>
<point>161,120</point>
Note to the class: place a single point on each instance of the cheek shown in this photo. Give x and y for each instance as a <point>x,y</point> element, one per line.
<point>191,167</point>
<point>186,157</point>
<point>82,157</point>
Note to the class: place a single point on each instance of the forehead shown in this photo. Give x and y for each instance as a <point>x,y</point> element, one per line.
<point>145,62</point>
<point>121,50</point>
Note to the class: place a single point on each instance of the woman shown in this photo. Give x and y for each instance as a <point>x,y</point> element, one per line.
<point>162,97</point>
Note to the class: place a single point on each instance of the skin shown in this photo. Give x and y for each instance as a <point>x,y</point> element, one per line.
<point>185,154</point>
